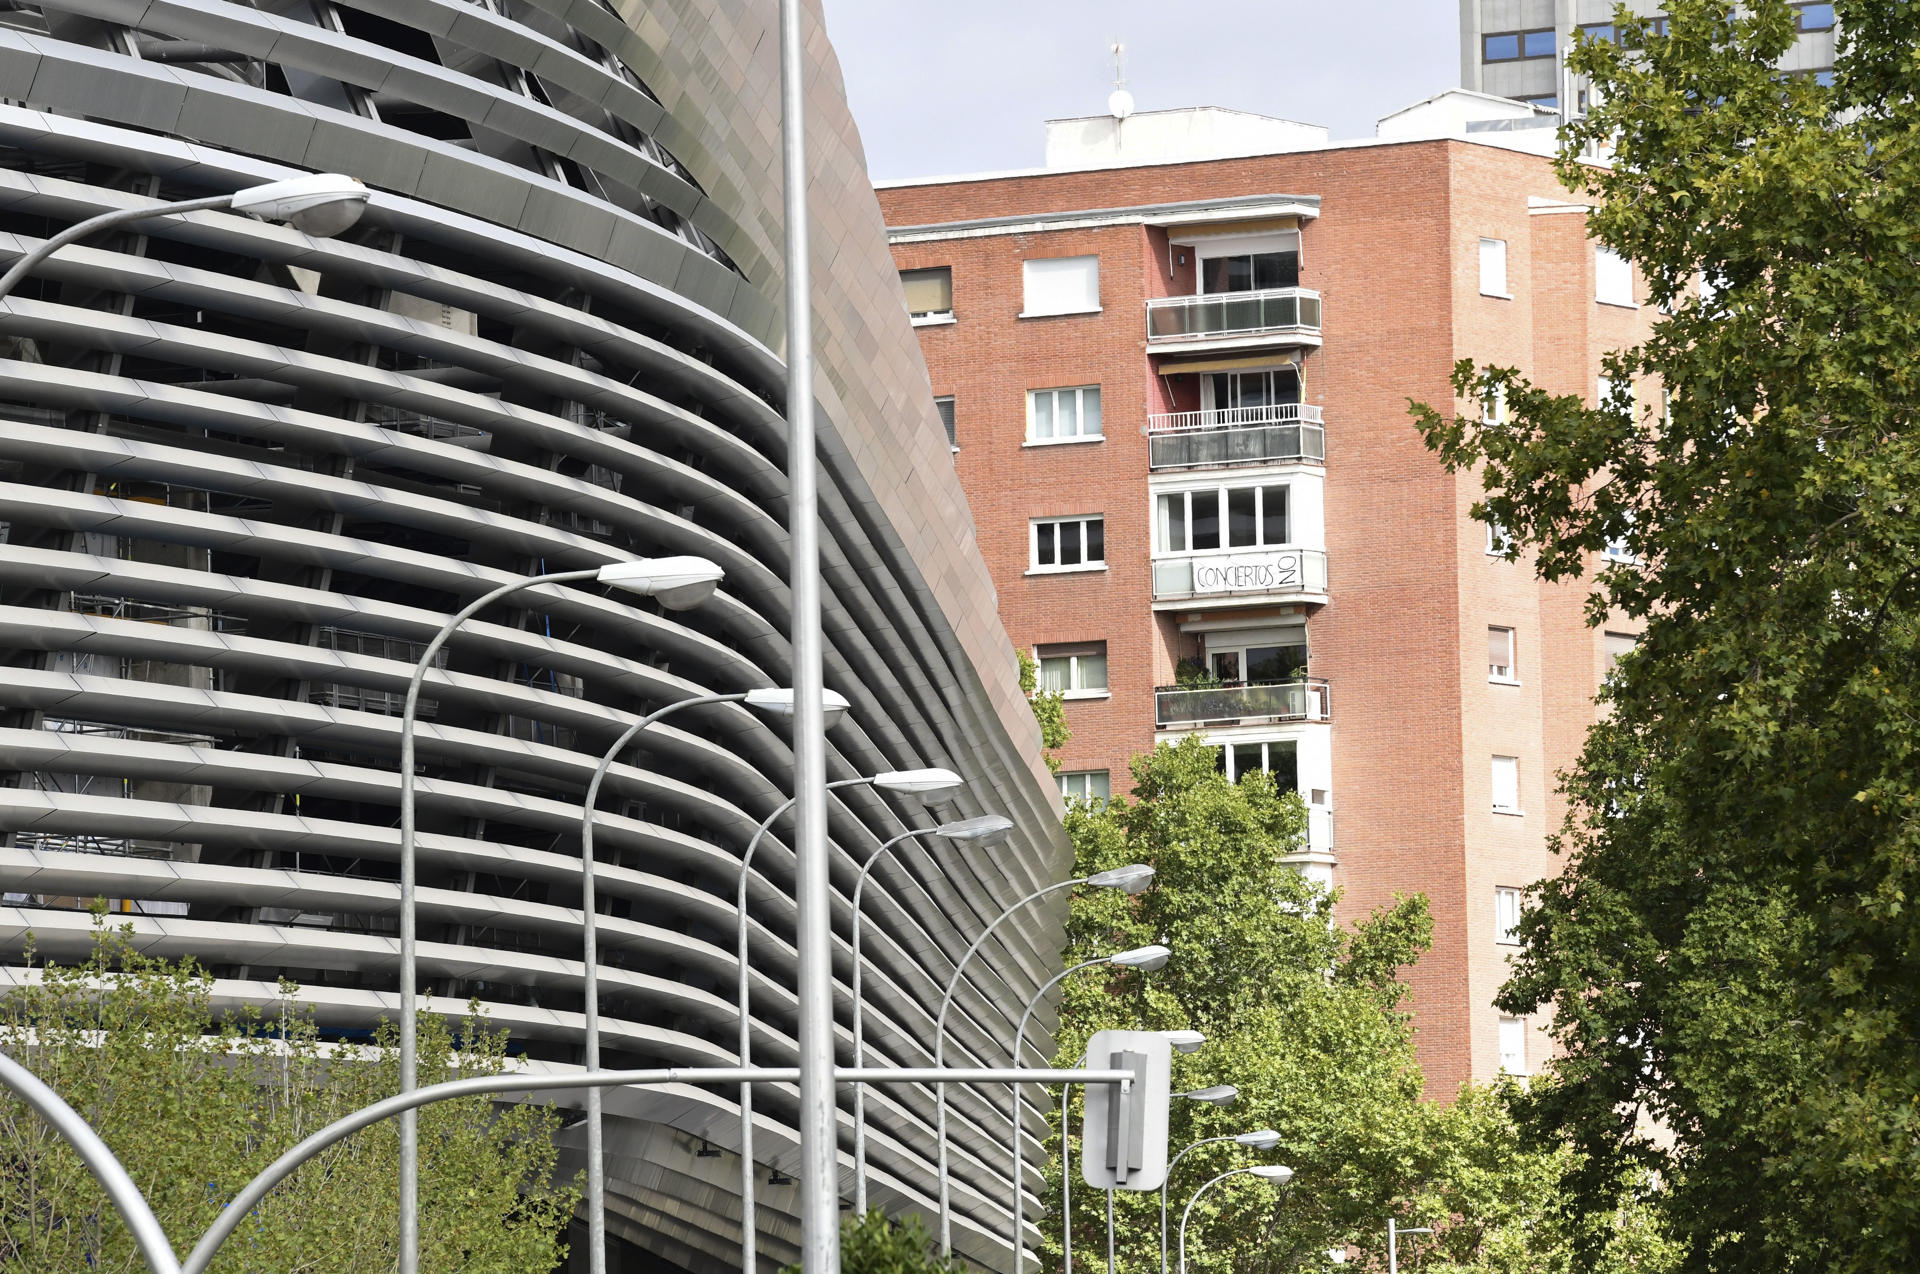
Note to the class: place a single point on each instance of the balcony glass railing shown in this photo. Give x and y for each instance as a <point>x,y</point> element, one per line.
<point>1279,311</point>
<point>1252,572</point>
<point>1272,434</point>
<point>1306,699</point>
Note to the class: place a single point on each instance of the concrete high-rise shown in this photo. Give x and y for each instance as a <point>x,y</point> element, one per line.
<point>245,474</point>
<point>1176,363</point>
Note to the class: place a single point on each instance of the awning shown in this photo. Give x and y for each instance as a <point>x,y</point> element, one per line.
<point>1238,362</point>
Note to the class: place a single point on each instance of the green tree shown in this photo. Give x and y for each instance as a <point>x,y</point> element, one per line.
<point>1733,952</point>
<point>1049,709</point>
<point>195,1103</point>
<point>878,1244</point>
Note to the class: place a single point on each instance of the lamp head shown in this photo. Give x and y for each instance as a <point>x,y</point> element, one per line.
<point>1218,1095</point>
<point>1185,1041</point>
<point>1262,1139</point>
<point>921,783</point>
<point>1278,1173</point>
<point>779,702</point>
<point>1145,959</point>
<point>677,583</point>
<point>1133,878</point>
<point>982,829</point>
<point>319,204</point>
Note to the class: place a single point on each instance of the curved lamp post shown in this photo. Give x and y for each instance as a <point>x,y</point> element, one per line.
<point>1262,1139</point>
<point>1147,960</point>
<point>1277,1173</point>
<point>771,701</point>
<point>1133,878</point>
<point>677,583</point>
<point>984,830</point>
<point>1183,1041</point>
<point>319,204</point>
<point>925,784</point>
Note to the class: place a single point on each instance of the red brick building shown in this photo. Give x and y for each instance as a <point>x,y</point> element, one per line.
<point>1179,394</point>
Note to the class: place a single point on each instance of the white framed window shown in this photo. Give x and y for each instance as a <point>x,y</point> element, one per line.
<point>1513,1045</point>
<point>1617,549</point>
<point>1493,407</point>
<point>1612,277</point>
<point>1493,268</point>
<point>1063,415</point>
<point>1506,916</point>
<point>944,406</point>
<point>1278,757</point>
<point>929,294</point>
<point>1078,671</point>
<point>1500,656</point>
<point>1060,285</point>
<point>1068,544</point>
<point>1619,644</point>
<point>1203,519</point>
<point>1498,541</point>
<point>1085,785</point>
<point>1506,784</point>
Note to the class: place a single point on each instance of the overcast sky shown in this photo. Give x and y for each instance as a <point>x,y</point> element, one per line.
<point>951,86</point>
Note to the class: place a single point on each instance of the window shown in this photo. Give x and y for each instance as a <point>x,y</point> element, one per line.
<point>1063,415</point>
<point>1813,17</point>
<point>1547,101</point>
<point>1500,665</point>
<point>1278,757</point>
<point>1513,1045</point>
<point>1506,917</point>
<point>1252,271</point>
<point>1069,544</point>
<point>1619,549</point>
<point>1259,665</point>
<point>1212,518</point>
<point>1612,277</point>
<point>1061,285</point>
<point>945,407</point>
<point>1085,785</point>
<point>1514,46</point>
<point>1600,31</point>
<point>1506,784</point>
<point>1223,391</point>
<point>1499,543</point>
<point>1619,644</point>
<point>929,294</point>
<point>1077,671</point>
<point>1493,268</point>
<point>1493,408</point>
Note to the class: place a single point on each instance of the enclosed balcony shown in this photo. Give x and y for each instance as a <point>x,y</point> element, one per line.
<point>1233,320</point>
<point>1275,433</point>
<point>1242,703</point>
<point>1263,576</point>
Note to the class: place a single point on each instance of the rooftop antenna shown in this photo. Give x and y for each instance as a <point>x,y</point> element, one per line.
<point>1119,102</point>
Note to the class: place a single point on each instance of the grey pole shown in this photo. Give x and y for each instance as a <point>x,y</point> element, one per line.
<point>1066,1181</point>
<point>1188,1210</point>
<point>1018,1209</point>
<point>590,947</point>
<point>939,1053</point>
<point>106,1169</point>
<point>819,1122</point>
<point>859,1026</point>
<point>1205,1141</point>
<point>409,926</point>
<point>748,1219</point>
<point>1393,1242</point>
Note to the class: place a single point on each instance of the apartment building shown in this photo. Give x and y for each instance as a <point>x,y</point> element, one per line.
<point>1178,394</point>
<point>1518,48</point>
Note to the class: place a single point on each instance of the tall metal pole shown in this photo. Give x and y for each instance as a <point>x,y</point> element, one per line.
<point>1017,1209</point>
<point>590,951</point>
<point>859,1025</point>
<point>1205,1141</point>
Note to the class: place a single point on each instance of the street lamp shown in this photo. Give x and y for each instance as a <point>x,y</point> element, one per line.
<point>1218,1095</point>
<point>319,204</point>
<point>768,700</point>
<point>1262,1139</point>
<point>1185,1041</point>
<point>676,583</point>
<point>1148,960</point>
<point>1278,1174</point>
<point>926,784</point>
<point>1133,879</point>
<point>984,830</point>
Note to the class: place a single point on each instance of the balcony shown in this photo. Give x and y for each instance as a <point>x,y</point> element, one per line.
<point>1274,434</point>
<point>1234,320</point>
<point>1241,703</point>
<point>1254,576</point>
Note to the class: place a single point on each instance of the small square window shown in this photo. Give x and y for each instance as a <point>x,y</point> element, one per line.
<point>1618,645</point>
<point>1506,917</point>
<point>1813,17</point>
<point>1500,48</point>
<point>1077,671</point>
<point>945,407</point>
<point>1513,1045</point>
<point>1536,44</point>
<point>1500,665</point>
<point>929,293</point>
<point>1060,285</point>
<point>1499,543</point>
<point>1612,277</point>
<point>1493,267</point>
<point>1069,544</point>
<point>1493,407</point>
<point>1506,784</point>
<point>1085,785</point>
<point>1063,415</point>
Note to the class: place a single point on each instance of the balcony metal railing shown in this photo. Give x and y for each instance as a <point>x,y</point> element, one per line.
<point>1235,703</point>
<point>1248,573</point>
<point>1235,435</point>
<point>1277,311</point>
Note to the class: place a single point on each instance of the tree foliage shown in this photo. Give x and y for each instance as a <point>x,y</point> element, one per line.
<point>1733,951</point>
<point>195,1103</point>
<point>1049,709</point>
<point>879,1244</point>
<point>1309,1020</point>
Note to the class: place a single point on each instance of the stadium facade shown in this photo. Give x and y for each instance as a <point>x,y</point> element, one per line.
<point>246,474</point>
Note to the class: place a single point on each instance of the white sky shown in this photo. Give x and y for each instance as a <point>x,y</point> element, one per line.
<point>965,85</point>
